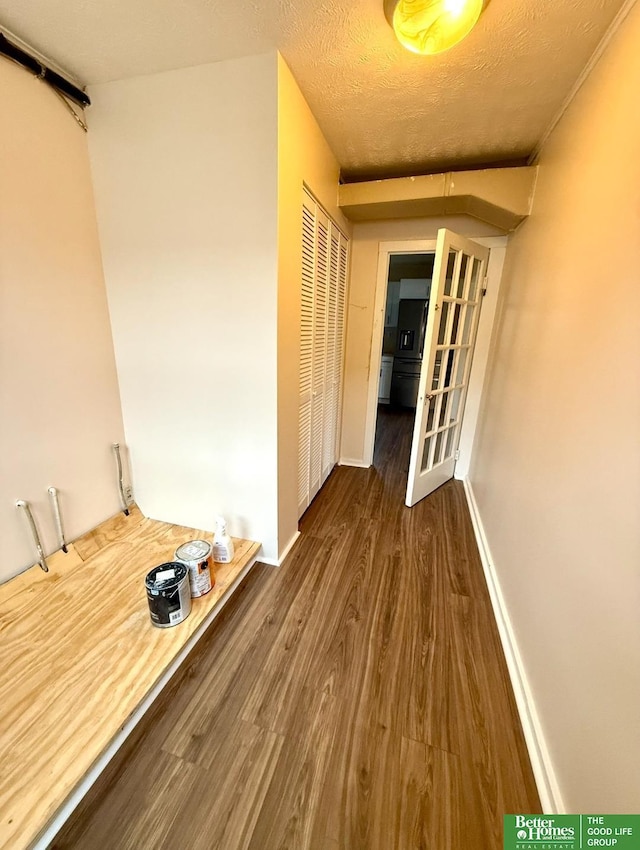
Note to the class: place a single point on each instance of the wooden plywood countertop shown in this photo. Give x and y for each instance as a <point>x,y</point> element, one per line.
<point>80,657</point>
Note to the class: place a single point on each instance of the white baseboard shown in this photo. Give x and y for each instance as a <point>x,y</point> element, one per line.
<point>543,771</point>
<point>270,562</point>
<point>289,547</point>
<point>277,562</point>
<point>348,461</point>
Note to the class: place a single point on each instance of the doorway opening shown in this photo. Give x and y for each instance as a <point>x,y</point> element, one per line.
<point>408,288</point>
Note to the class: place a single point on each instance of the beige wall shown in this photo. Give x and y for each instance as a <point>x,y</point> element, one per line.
<point>557,463</point>
<point>362,288</point>
<point>185,170</point>
<point>303,157</point>
<point>58,387</point>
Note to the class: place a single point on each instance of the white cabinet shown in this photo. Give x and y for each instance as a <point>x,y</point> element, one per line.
<point>393,301</point>
<point>415,288</point>
<point>384,388</point>
<point>323,295</point>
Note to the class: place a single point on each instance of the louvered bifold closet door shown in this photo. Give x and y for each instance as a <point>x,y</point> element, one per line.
<point>338,368</point>
<point>306,353</point>
<point>322,306</point>
<point>331,388</point>
<point>319,362</point>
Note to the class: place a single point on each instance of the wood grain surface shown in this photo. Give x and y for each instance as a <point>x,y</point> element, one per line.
<point>79,654</point>
<point>356,698</point>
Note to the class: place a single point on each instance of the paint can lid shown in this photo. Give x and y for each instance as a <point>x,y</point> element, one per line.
<point>193,550</point>
<point>166,576</point>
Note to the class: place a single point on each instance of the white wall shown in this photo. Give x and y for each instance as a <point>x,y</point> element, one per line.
<point>557,462</point>
<point>185,171</point>
<point>304,157</point>
<point>58,387</point>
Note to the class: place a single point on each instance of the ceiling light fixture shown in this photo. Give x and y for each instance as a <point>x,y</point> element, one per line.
<point>432,26</point>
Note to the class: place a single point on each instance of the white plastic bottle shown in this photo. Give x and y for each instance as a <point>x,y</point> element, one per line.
<point>222,543</point>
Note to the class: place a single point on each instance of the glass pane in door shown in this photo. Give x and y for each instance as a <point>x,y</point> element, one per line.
<point>448,452</point>
<point>437,455</point>
<point>475,274</point>
<point>444,321</point>
<point>425,454</point>
<point>462,277</point>
<point>443,410</point>
<point>455,325</point>
<point>431,414</point>
<point>451,355</point>
<point>455,405</point>
<point>462,362</point>
<point>468,324</point>
<point>451,264</point>
<point>437,370</point>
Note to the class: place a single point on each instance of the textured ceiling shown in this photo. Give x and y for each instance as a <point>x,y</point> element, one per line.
<point>383,110</point>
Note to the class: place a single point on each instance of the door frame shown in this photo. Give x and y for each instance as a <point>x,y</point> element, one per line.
<point>385,250</point>
<point>498,247</point>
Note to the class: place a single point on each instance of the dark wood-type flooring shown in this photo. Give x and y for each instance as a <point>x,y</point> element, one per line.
<point>354,699</point>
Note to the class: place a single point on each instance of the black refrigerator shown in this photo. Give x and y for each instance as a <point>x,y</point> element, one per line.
<point>407,357</point>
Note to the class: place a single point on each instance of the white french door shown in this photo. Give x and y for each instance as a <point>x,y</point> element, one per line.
<point>323,295</point>
<point>452,324</point>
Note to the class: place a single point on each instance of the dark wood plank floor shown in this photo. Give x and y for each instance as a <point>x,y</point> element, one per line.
<point>354,699</point>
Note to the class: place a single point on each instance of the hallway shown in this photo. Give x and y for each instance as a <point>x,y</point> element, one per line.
<point>354,699</point>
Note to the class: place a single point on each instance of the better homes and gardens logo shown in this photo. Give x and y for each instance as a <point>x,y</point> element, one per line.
<point>571,832</point>
<point>532,831</point>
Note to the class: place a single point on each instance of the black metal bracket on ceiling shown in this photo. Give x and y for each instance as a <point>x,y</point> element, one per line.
<point>11,51</point>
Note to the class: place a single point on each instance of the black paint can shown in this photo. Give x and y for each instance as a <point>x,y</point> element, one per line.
<point>168,594</point>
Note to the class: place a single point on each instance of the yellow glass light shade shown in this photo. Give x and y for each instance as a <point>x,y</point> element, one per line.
<point>432,26</point>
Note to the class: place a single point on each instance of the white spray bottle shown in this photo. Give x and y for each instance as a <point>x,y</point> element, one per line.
<point>222,543</point>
